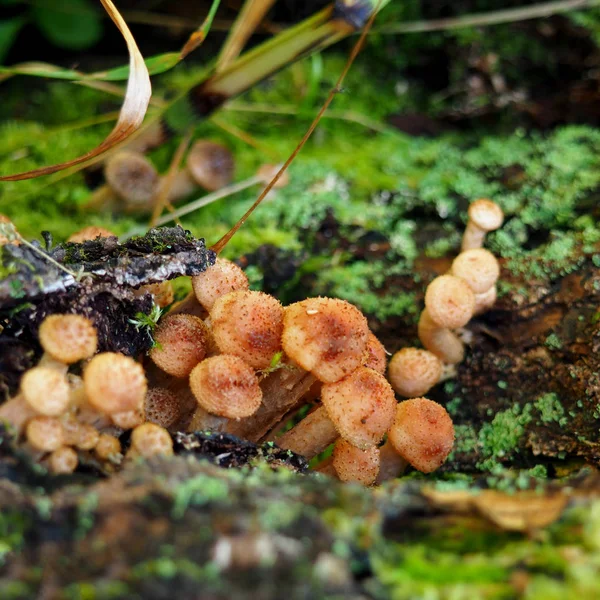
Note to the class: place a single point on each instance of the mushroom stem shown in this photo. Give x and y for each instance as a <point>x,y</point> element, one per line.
<point>326,468</point>
<point>486,300</point>
<point>484,216</point>
<point>391,464</point>
<point>441,341</point>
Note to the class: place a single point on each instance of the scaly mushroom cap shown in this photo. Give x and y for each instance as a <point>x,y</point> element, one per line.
<point>114,383</point>
<point>181,343</point>
<point>89,233</point>
<point>225,385</point>
<point>422,433</point>
<point>355,465</point>
<point>211,164</point>
<point>486,214</point>
<point>361,406</point>
<point>63,461</point>
<point>413,371</point>
<point>45,433</point>
<point>46,391</point>
<point>478,267</point>
<point>375,356</point>
<point>68,338</point>
<point>217,280</point>
<point>450,302</point>
<point>325,336</point>
<point>249,325</point>
<point>149,440</point>
<point>133,178</point>
<point>162,407</point>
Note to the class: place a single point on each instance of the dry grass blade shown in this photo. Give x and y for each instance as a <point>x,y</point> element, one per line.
<point>137,98</point>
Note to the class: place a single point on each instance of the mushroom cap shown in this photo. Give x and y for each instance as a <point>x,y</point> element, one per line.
<point>181,343</point>
<point>91,232</point>
<point>150,439</point>
<point>355,465</point>
<point>217,280</point>
<point>375,356</point>
<point>422,433</point>
<point>225,385</point>
<point>361,406</point>
<point>132,177</point>
<point>325,336</point>
<point>162,407</point>
<point>107,446</point>
<point>478,267</point>
<point>128,419</point>
<point>68,338</point>
<point>210,164</point>
<point>46,391</point>
<point>450,302</point>
<point>63,461</point>
<point>45,433</point>
<point>114,383</point>
<point>486,214</point>
<point>248,324</point>
<point>266,172</point>
<point>413,371</point>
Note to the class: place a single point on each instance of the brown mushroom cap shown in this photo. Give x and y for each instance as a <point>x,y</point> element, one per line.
<point>114,383</point>
<point>249,325</point>
<point>133,178</point>
<point>355,465</point>
<point>422,433</point>
<point>181,343</point>
<point>361,406</point>
<point>450,302</point>
<point>45,433</point>
<point>108,446</point>
<point>486,214</point>
<point>162,407</point>
<point>89,233</point>
<point>375,356</point>
<point>210,164</point>
<point>413,371</point>
<point>478,267</point>
<point>325,336</point>
<point>150,439</point>
<point>63,461</point>
<point>46,391</point>
<point>225,385</point>
<point>68,338</point>
<point>217,280</point>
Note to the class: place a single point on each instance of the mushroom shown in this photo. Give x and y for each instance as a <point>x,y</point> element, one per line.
<point>17,413</point>
<point>91,232</point>
<point>162,407</point>
<point>422,433</point>
<point>108,447</point>
<point>325,336</point>
<point>413,372</point>
<point>391,464</point>
<point>267,172</point>
<point>114,383</point>
<point>128,419</point>
<point>63,461</point>
<point>149,440</point>
<point>226,386</point>
<point>359,408</point>
<point>68,338</point>
<point>46,390</point>
<point>449,304</point>
<point>181,343</point>
<point>162,293</point>
<point>81,435</point>
<point>484,216</point>
<point>45,434</point>
<point>217,280</point>
<point>355,465</point>
<point>249,325</point>
<point>479,268</point>
<point>375,356</point>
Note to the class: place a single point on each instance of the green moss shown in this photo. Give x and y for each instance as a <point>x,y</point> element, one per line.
<point>13,526</point>
<point>551,410</point>
<point>197,491</point>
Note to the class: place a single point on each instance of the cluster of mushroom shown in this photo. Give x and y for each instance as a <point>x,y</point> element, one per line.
<point>64,417</point>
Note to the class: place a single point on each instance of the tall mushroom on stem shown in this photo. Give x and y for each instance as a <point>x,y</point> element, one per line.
<point>484,216</point>
<point>480,270</point>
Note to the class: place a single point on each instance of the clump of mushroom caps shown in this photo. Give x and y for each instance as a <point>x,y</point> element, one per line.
<point>229,359</point>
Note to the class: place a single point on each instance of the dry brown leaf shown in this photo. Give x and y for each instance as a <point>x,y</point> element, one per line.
<point>137,98</point>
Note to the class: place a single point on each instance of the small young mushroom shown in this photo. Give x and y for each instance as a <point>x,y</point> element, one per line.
<point>81,435</point>
<point>413,372</point>
<point>181,343</point>
<point>149,440</point>
<point>46,391</point>
<point>375,356</point>
<point>325,336</point>
<point>484,216</point>
<point>217,280</point>
<point>108,447</point>
<point>226,386</point>
<point>45,434</point>
<point>162,407</point>
<point>63,461</point>
<point>359,408</point>
<point>479,268</point>
<point>91,232</point>
<point>249,325</point>
<point>68,338</point>
<point>422,433</point>
<point>355,465</point>
<point>128,419</point>
<point>114,383</point>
